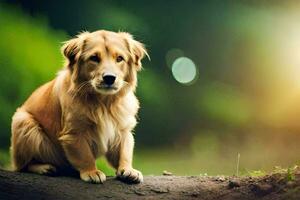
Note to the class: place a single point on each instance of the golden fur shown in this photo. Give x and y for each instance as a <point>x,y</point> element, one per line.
<point>72,120</point>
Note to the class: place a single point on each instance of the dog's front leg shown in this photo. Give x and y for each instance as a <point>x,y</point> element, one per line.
<point>125,172</point>
<point>79,154</point>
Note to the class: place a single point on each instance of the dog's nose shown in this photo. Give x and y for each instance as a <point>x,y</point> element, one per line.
<point>109,79</point>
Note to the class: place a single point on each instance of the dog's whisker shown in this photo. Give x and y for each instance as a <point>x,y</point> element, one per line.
<point>79,90</point>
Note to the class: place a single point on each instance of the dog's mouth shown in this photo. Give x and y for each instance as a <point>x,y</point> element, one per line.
<point>106,88</point>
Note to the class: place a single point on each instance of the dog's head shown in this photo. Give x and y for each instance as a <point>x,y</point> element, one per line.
<point>106,61</point>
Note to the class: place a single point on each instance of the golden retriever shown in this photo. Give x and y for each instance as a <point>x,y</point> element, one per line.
<point>87,111</point>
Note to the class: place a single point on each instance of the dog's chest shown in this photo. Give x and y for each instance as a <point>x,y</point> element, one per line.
<point>111,124</point>
<point>107,129</point>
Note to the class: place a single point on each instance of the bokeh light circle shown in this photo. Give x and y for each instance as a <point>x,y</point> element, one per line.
<point>184,70</point>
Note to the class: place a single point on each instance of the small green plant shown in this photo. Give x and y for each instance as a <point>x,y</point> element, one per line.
<point>290,172</point>
<point>238,164</point>
<point>290,175</point>
<point>279,169</point>
<point>256,173</point>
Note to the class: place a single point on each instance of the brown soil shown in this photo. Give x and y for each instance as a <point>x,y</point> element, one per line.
<point>30,186</point>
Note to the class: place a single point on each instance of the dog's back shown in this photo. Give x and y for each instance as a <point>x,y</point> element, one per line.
<point>34,129</point>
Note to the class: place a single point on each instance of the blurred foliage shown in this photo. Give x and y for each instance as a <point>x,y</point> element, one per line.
<point>105,167</point>
<point>29,56</point>
<point>4,159</point>
<point>226,104</point>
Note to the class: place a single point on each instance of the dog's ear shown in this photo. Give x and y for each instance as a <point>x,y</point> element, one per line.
<point>72,48</point>
<point>136,49</point>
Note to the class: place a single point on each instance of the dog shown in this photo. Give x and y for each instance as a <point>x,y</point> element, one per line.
<point>89,110</point>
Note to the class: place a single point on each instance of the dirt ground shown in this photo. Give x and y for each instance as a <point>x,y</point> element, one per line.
<point>30,186</point>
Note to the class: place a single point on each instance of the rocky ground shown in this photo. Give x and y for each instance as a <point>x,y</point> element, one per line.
<point>19,186</point>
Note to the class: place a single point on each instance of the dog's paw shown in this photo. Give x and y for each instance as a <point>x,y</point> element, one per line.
<point>130,175</point>
<point>43,169</point>
<point>94,176</point>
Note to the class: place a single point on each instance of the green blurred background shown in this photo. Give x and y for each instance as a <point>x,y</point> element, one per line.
<point>223,80</point>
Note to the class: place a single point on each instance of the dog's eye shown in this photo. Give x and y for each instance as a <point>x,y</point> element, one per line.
<point>120,59</point>
<point>95,58</point>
